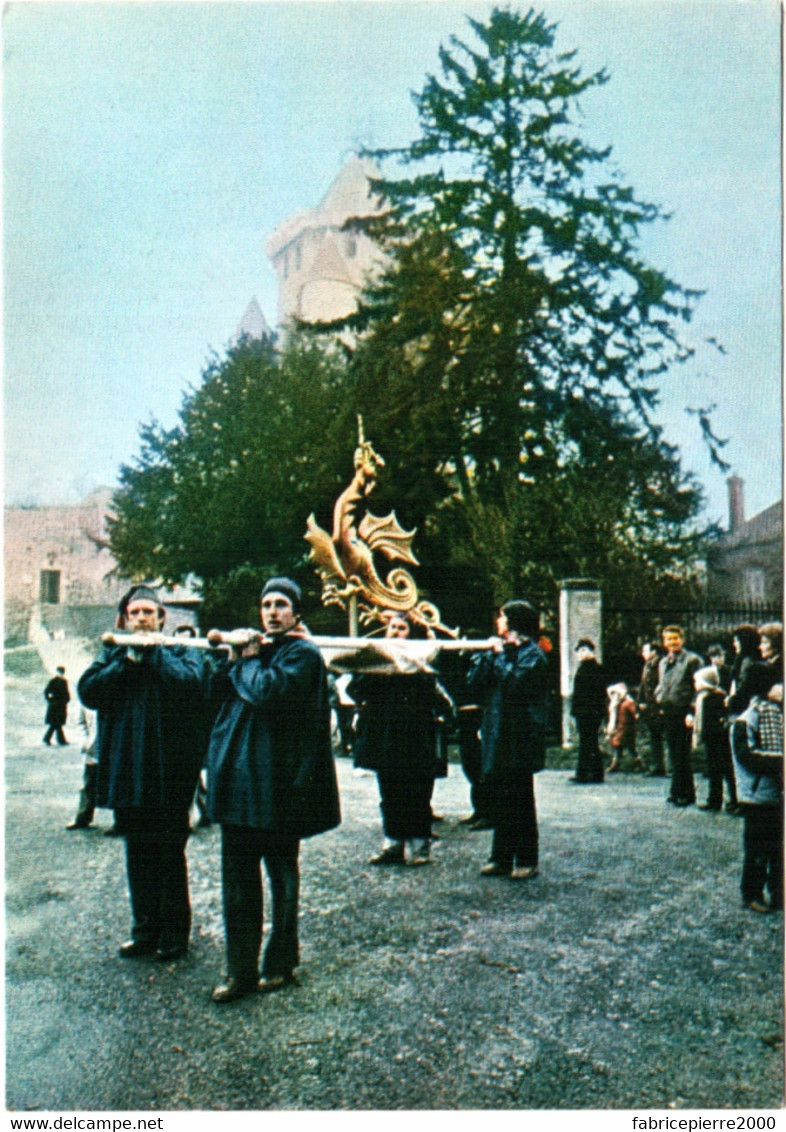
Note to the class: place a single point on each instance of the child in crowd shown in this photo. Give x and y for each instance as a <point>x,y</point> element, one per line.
<point>710,732</point>
<point>621,727</point>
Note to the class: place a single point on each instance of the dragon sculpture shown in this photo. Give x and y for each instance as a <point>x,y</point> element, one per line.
<point>345,559</point>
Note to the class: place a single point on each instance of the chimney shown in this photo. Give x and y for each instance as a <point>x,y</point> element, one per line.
<point>736,504</point>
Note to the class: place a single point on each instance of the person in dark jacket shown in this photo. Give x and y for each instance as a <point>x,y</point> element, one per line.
<point>512,679</point>
<point>453,669</point>
<point>57,697</point>
<point>649,710</point>
<point>716,655</point>
<point>746,641</point>
<point>588,707</point>
<point>271,782</point>
<point>146,772</point>
<point>396,736</point>
<point>676,694</point>
<point>710,731</point>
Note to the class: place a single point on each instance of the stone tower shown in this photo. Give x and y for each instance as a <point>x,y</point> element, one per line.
<point>319,268</point>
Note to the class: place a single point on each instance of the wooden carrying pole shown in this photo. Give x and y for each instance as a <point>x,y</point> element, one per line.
<point>238,638</point>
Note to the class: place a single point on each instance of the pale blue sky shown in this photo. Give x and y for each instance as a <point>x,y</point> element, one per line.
<point>150,149</point>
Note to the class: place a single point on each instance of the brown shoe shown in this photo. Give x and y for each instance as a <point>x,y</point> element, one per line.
<point>523,872</point>
<point>758,906</point>
<point>495,869</point>
<point>391,855</point>
<point>136,948</point>
<point>234,989</point>
<point>270,983</point>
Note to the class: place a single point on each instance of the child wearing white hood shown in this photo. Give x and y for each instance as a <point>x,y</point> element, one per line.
<point>710,732</point>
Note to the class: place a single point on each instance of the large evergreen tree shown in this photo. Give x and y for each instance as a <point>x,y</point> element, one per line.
<point>510,352</point>
<point>225,494</point>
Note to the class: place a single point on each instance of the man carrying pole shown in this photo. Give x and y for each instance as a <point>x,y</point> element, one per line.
<point>147,773</point>
<point>271,782</point>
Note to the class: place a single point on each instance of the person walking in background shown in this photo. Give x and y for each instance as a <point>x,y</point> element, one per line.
<point>147,770</point>
<point>622,727</point>
<point>57,697</point>
<point>512,679</point>
<point>649,709</point>
<point>757,746</point>
<point>271,782</point>
<point>711,733</point>
<point>675,695</point>
<point>87,795</point>
<point>588,706</point>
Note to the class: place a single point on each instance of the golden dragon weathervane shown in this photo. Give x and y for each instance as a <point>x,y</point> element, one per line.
<point>345,559</point>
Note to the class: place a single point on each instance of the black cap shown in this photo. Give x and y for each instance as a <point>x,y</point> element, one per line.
<point>585,643</point>
<point>137,593</point>
<point>286,587</point>
<point>522,617</point>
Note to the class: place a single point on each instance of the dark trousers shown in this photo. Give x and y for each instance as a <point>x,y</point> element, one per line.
<point>345,714</point>
<point>654,721</point>
<point>762,841</point>
<point>61,739</point>
<point>471,752</point>
<point>589,767</point>
<point>86,807</point>
<point>405,804</point>
<point>157,875</point>
<point>515,822</point>
<point>678,741</point>
<point>242,850</point>
<point>717,752</point>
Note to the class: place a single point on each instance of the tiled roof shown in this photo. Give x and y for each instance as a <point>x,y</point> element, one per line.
<point>764,527</point>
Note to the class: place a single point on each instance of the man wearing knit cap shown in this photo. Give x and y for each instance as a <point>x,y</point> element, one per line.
<point>513,680</point>
<point>271,782</point>
<point>147,770</point>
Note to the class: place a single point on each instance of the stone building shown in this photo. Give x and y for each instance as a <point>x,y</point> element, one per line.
<point>320,268</point>
<point>746,563</point>
<point>60,576</point>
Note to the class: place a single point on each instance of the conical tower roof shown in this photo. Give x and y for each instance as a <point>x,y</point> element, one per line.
<point>347,196</point>
<point>253,324</point>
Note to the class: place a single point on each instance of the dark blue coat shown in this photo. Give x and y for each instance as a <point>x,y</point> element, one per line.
<point>589,690</point>
<point>270,761</point>
<point>514,687</point>
<point>396,729</point>
<point>57,697</point>
<point>145,759</point>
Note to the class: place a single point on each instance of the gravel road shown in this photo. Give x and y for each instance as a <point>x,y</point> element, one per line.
<point>625,976</point>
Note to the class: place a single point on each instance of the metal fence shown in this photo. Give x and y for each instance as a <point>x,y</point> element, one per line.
<point>697,621</point>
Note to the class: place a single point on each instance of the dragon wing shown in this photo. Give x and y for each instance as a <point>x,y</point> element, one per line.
<point>388,537</point>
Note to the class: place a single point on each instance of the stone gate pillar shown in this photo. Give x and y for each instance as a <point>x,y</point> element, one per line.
<point>579,616</point>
